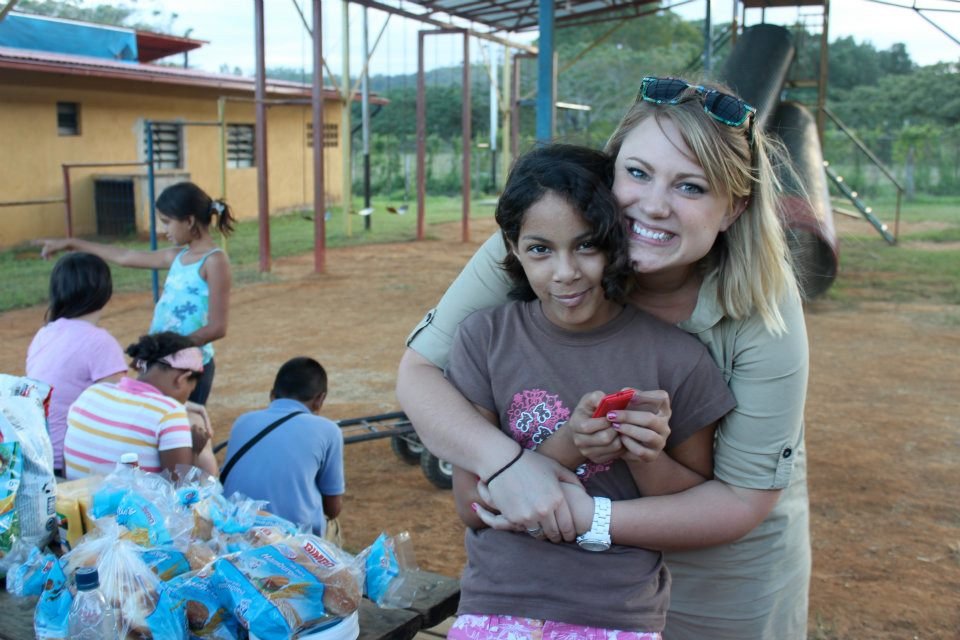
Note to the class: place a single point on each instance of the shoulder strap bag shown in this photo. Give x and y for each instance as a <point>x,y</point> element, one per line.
<point>252,441</point>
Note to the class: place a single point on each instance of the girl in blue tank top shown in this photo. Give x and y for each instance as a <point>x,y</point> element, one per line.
<point>196,294</point>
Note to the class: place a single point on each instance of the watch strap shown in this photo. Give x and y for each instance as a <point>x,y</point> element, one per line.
<point>598,537</point>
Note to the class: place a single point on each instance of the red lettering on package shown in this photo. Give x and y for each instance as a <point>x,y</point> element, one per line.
<point>317,555</point>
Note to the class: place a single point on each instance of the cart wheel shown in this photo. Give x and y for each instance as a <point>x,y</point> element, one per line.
<point>407,447</point>
<point>438,472</point>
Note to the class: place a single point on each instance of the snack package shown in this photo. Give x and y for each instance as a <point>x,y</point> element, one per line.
<point>144,520</point>
<point>11,469</point>
<point>50,616</point>
<point>197,594</point>
<point>28,577</point>
<point>279,590</point>
<point>73,502</point>
<point>165,562</point>
<point>23,419</point>
<point>389,563</point>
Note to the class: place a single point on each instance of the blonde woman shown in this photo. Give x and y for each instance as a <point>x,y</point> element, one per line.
<point>697,189</point>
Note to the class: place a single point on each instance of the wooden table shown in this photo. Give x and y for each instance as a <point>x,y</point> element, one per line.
<point>437,599</point>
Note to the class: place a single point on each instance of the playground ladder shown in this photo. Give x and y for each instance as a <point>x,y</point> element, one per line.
<point>854,197</point>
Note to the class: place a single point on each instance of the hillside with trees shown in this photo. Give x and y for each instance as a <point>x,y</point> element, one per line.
<point>909,116</point>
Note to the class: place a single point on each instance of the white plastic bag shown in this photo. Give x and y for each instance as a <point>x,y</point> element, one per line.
<point>23,419</point>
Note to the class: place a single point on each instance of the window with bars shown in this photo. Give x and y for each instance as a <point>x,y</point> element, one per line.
<point>331,135</point>
<point>167,145</point>
<point>240,146</point>
<point>68,119</point>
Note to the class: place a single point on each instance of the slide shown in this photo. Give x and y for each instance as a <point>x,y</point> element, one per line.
<point>757,69</point>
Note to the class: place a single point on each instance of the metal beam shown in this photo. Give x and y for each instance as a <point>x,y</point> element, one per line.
<point>319,204</point>
<point>260,140</point>
<point>546,72</point>
<point>421,135</point>
<point>467,146</point>
<point>373,4</point>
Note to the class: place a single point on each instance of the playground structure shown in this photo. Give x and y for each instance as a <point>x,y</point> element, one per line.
<point>743,68</point>
<point>757,67</point>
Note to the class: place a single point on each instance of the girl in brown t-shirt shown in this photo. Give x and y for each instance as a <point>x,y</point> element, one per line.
<point>527,366</point>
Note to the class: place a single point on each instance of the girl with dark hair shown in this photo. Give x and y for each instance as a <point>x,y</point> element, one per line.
<point>70,352</point>
<point>568,262</point>
<point>196,294</point>
<point>697,186</point>
<point>145,415</point>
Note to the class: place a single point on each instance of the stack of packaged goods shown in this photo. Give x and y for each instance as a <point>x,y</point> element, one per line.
<point>180,560</point>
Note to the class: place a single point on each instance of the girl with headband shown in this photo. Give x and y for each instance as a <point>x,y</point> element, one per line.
<point>145,415</point>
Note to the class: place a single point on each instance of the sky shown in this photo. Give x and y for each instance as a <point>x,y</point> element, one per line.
<point>229,26</point>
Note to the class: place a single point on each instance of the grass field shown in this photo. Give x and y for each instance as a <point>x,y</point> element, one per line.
<point>24,277</point>
<point>924,266</point>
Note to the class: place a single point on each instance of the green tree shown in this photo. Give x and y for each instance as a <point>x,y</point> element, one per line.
<point>122,15</point>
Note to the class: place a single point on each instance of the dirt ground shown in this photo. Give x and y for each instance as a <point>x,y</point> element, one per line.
<point>883,422</point>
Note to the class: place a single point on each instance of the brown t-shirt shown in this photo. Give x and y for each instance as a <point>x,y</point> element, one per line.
<point>514,362</point>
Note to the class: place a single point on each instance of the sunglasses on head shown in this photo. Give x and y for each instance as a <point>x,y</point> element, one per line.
<point>723,107</point>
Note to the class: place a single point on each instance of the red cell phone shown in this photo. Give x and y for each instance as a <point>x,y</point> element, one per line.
<point>613,402</point>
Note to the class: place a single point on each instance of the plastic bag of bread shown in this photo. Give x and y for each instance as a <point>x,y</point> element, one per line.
<point>165,562</point>
<point>145,504</point>
<point>197,594</point>
<point>235,514</point>
<point>266,530</point>
<point>290,586</point>
<point>194,484</point>
<point>389,564</point>
<point>238,523</point>
<point>215,513</point>
<point>141,600</point>
<point>199,554</point>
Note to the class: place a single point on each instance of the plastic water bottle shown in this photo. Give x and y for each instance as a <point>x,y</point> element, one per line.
<point>90,617</point>
<point>130,460</point>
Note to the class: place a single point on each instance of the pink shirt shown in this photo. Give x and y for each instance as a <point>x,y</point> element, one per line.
<point>108,420</point>
<point>70,355</point>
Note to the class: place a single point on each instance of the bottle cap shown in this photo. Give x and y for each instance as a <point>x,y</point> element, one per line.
<point>130,459</point>
<point>87,578</point>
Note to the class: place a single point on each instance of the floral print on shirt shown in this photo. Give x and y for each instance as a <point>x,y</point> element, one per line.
<point>534,415</point>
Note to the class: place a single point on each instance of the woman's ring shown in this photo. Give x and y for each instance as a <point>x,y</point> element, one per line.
<point>535,532</point>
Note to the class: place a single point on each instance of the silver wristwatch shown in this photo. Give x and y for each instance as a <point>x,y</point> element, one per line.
<point>598,537</point>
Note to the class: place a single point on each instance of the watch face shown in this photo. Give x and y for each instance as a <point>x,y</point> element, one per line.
<point>594,545</point>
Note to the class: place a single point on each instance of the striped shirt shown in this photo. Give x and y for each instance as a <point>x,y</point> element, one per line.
<point>108,420</point>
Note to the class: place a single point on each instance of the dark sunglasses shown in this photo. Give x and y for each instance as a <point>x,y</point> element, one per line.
<point>723,107</point>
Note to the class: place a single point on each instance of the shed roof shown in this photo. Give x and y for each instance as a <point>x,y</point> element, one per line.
<point>153,46</point>
<point>522,15</point>
<point>42,62</point>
